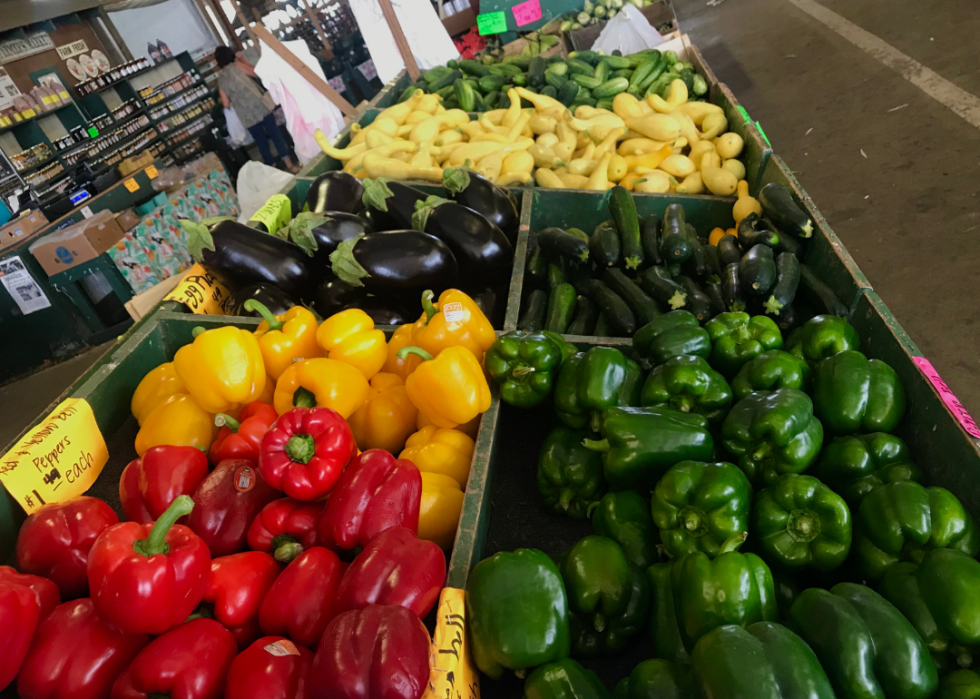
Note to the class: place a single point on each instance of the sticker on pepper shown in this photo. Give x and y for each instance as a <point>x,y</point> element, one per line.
<point>281,648</point>
<point>453,312</point>
<point>244,479</point>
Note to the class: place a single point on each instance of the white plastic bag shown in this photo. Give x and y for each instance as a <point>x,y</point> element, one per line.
<point>256,183</point>
<point>629,31</point>
<point>238,134</point>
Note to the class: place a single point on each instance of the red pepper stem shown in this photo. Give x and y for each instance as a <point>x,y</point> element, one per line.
<point>410,349</point>
<point>204,611</point>
<point>157,541</point>
<point>222,420</point>
<point>263,310</point>
<point>285,548</point>
<point>428,306</point>
<point>300,448</point>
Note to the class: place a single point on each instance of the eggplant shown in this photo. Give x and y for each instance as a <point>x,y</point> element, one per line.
<point>336,191</point>
<point>335,295</point>
<point>476,192</point>
<point>386,311</point>
<point>273,298</point>
<point>390,205</point>
<point>394,263</point>
<point>482,251</point>
<point>240,256</point>
<point>320,234</point>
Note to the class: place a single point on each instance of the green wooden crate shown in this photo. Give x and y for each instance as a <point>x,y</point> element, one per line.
<point>391,92</point>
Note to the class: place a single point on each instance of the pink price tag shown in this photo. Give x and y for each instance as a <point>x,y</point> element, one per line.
<point>951,401</point>
<point>527,12</point>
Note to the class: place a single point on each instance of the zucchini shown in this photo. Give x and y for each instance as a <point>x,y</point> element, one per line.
<point>555,80</point>
<point>601,71</point>
<point>695,263</point>
<point>661,286</point>
<point>711,261</point>
<point>558,241</point>
<point>471,67</point>
<point>650,240</point>
<point>622,73</point>
<point>587,81</point>
<point>491,83</point>
<point>754,230</point>
<point>757,271</point>
<point>576,67</point>
<point>561,306</point>
<point>644,308</point>
<point>604,247</point>
<point>549,91</point>
<point>577,273</point>
<point>465,95</point>
<point>578,233</point>
<point>792,245</point>
<point>446,81</point>
<point>610,88</point>
<point>713,290</point>
<point>618,314</point>
<point>623,211</point>
<point>728,251</point>
<point>408,92</point>
<point>673,269</point>
<point>536,268</point>
<point>616,62</point>
<point>698,302</point>
<point>585,316</point>
<point>675,244</point>
<point>567,93</point>
<point>556,275</point>
<point>818,295</point>
<point>787,281</point>
<point>532,319</point>
<point>601,328</point>
<point>778,204</point>
<point>731,288</point>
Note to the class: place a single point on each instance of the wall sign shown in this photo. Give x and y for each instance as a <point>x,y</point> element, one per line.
<point>15,49</point>
<point>73,49</point>
<point>8,90</point>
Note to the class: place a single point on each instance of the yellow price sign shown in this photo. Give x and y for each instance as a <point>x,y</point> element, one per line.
<point>131,184</point>
<point>202,293</point>
<point>451,670</point>
<point>151,172</point>
<point>57,460</point>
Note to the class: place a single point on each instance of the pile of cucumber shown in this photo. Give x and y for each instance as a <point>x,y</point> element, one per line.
<point>629,271</point>
<point>585,77</point>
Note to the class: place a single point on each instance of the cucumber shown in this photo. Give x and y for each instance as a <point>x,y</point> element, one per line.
<point>465,95</point>
<point>618,314</point>
<point>731,288</point>
<point>818,295</point>
<point>602,71</point>
<point>585,56</point>
<point>535,72</point>
<point>604,247</point>
<point>778,204</point>
<point>698,302</point>
<point>567,93</point>
<point>554,80</point>
<point>711,262</point>
<point>675,244</point>
<point>713,290</point>
<point>532,319</point>
<point>605,103</point>
<point>561,306</point>
<point>560,68</point>
<point>578,233</point>
<point>623,211</point>
<point>445,81</point>
<point>757,271</point>
<point>650,240</point>
<point>558,241</point>
<point>787,281</point>
<point>471,67</point>
<point>728,251</point>
<point>616,62</point>
<point>644,308</point>
<point>556,276</point>
<point>642,71</point>
<point>622,73</point>
<point>610,88</point>
<point>695,264</point>
<point>585,316</point>
<point>491,83</point>
<point>601,328</point>
<point>408,92</point>
<point>433,74</point>
<point>754,230</point>
<point>549,91</point>
<point>661,286</point>
<point>536,267</point>
<point>587,81</point>
<point>576,67</point>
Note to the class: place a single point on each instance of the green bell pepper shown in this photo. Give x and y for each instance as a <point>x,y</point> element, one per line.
<point>664,629</point>
<point>901,521</point>
<point>854,466</point>
<point>510,636</point>
<point>625,518</point>
<point>698,506</point>
<point>671,335</point>
<point>525,366</point>
<point>737,337</point>
<point>772,434</point>
<point>640,444</point>
<point>608,598</point>
<point>594,380</point>
<point>763,661</point>
<point>564,679</point>
<point>656,679</point>
<point>962,684</point>
<point>569,475</point>
<point>799,522</point>
<point>852,393</point>
<point>688,384</point>
<point>822,337</point>
<point>771,371</point>
<point>939,596</point>
<point>868,649</point>
<point>733,588</point>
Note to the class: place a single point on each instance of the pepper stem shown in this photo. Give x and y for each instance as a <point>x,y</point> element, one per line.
<point>157,541</point>
<point>428,306</point>
<point>522,371</point>
<point>682,403</point>
<point>733,542</point>
<point>596,444</point>
<point>803,526</point>
<point>222,420</point>
<point>599,623</point>
<point>263,310</point>
<point>204,611</point>
<point>762,451</point>
<point>285,548</point>
<point>304,398</point>
<point>300,448</point>
<point>411,349</point>
<point>197,331</point>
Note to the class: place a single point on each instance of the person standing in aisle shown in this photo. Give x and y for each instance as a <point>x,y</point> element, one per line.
<point>239,90</point>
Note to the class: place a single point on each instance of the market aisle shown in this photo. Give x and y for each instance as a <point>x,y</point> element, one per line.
<point>907,208</point>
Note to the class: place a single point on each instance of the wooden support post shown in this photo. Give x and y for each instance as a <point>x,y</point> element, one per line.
<point>396,30</point>
<point>312,78</point>
<point>315,21</point>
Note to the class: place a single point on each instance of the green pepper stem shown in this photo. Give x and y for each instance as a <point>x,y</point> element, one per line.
<point>733,542</point>
<point>285,548</point>
<point>682,403</point>
<point>204,611</point>
<point>155,695</point>
<point>761,452</point>
<point>596,444</point>
<point>803,526</point>
<point>197,331</point>
<point>263,310</point>
<point>157,541</point>
<point>222,420</point>
<point>599,623</point>
<point>411,349</point>
<point>428,306</point>
<point>300,448</point>
<point>565,499</point>
<point>522,371</point>
<point>304,398</point>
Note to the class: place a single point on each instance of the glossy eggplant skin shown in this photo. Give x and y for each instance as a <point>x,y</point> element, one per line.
<point>495,203</point>
<point>273,298</point>
<point>335,191</point>
<point>481,249</point>
<point>386,311</point>
<point>405,262</point>
<point>400,204</point>
<point>334,295</point>
<point>337,228</point>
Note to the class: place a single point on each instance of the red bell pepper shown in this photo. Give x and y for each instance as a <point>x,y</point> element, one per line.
<point>376,492</point>
<point>372,653</point>
<point>242,438</point>
<point>75,655</point>
<point>236,588</point>
<point>188,662</point>
<point>226,502</point>
<point>161,474</point>
<point>304,453</point>
<point>285,528</point>
<point>147,578</point>
<point>19,614</point>
<point>54,542</point>
<point>300,603</point>
<point>397,568</point>
<point>273,666</point>
<point>46,591</point>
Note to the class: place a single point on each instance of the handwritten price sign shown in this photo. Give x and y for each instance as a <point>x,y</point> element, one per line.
<point>451,671</point>
<point>527,12</point>
<point>951,401</point>
<point>202,293</point>
<point>491,23</point>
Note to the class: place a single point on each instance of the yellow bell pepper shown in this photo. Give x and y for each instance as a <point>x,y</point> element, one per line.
<point>468,428</point>
<point>322,383</point>
<point>439,509</point>
<point>180,422</point>
<point>222,369</point>
<point>393,364</point>
<point>446,452</point>
<point>387,417</point>
<point>449,388</point>
<point>284,338</point>
<point>453,321</point>
<point>350,337</point>
<point>156,387</point>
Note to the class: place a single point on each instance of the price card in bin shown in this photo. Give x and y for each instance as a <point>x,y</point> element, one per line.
<point>527,12</point>
<point>202,293</point>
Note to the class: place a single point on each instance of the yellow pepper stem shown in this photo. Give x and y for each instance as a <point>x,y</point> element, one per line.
<point>263,310</point>
<point>428,306</point>
<point>300,448</point>
<point>304,398</point>
<point>222,420</point>
<point>405,351</point>
<point>197,331</point>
